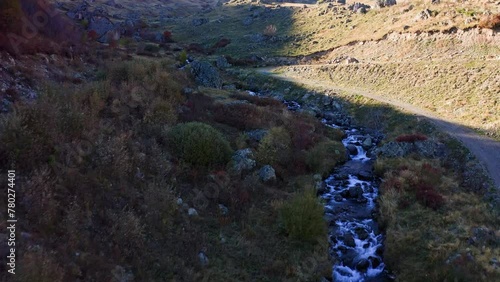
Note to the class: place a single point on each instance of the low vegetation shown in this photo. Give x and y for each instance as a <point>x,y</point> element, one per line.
<point>431,223</point>
<point>199,144</point>
<point>302,217</point>
<point>116,164</point>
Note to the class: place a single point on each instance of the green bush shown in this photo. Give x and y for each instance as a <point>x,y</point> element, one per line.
<point>199,144</point>
<point>275,147</point>
<point>153,48</point>
<point>302,216</point>
<point>323,157</point>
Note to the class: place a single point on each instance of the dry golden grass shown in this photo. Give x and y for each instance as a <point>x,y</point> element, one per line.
<point>465,92</point>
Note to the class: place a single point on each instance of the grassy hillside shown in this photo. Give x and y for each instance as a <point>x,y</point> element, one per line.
<point>464,92</point>
<point>302,30</point>
<point>128,176</point>
<point>439,214</point>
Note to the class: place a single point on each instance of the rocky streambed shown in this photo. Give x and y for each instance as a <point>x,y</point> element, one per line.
<point>356,243</point>
<point>350,193</point>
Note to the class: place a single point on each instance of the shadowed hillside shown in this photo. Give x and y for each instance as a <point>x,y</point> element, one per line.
<point>159,153</point>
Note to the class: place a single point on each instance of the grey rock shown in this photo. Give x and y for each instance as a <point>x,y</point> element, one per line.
<point>351,60</point>
<point>121,275</point>
<point>352,149</point>
<point>187,91</point>
<point>179,201</point>
<point>79,12</point>
<point>494,262</point>
<point>423,15</point>
<point>267,174</point>
<point>242,160</point>
<point>223,209</point>
<point>101,25</point>
<point>222,63</point>
<point>429,148</point>
<point>320,186</point>
<point>338,198</point>
<point>206,74</point>
<point>192,212</point>
<point>385,3</point>
<point>256,135</point>
<point>365,175</point>
<point>367,143</point>
<point>361,200</point>
<point>355,192</point>
<point>317,177</point>
<point>349,240</point>
<point>359,6</point>
<point>362,265</point>
<point>362,233</point>
<point>394,149</point>
<point>203,258</point>
<point>257,38</point>
<point>199,21</point>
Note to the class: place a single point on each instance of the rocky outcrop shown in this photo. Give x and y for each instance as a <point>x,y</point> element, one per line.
<point>222,63</point>
<point>385,3</point>
<point>205,74</point>
<point>359,8</point>
<point>267,174</point>
<point>427,148</point>
<point>101,25</point>
<point>242,160</point>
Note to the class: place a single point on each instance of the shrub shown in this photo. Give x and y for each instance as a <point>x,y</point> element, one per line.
<point>259,101</point>
<point>167,35</point>
<point>92,35</point>
<point>199,144</point>
<point>302,217</point>
<point>323,157</point>
<point>223,42</point>
<point>243,116</point>
<point>153,48</point>
<point>182,58</point>
<point>162,112</point>
<point>490,21</point>
<point>411,138</point>
<point>275,147</point>
<point>197,107</point>
<point>428,196</point>
<point>270,30</point>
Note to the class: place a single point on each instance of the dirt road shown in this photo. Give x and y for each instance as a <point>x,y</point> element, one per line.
<point>485,149</point>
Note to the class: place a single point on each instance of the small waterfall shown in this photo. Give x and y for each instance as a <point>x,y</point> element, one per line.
<point>356,243</point>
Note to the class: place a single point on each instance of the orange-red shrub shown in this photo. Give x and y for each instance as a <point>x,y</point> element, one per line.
<point>243,116</point>
<point>428,196</point>
<point>490,21</point>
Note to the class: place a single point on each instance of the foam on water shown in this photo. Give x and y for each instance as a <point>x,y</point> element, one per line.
<point>355,240</point>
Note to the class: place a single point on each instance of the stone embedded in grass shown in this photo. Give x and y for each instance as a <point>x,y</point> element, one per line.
<point>267,174</point>
<point>242,160</point>
<point>203,258</point>
<point>192,212</point>
<point>223,209</point>
<point>205,74</point>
